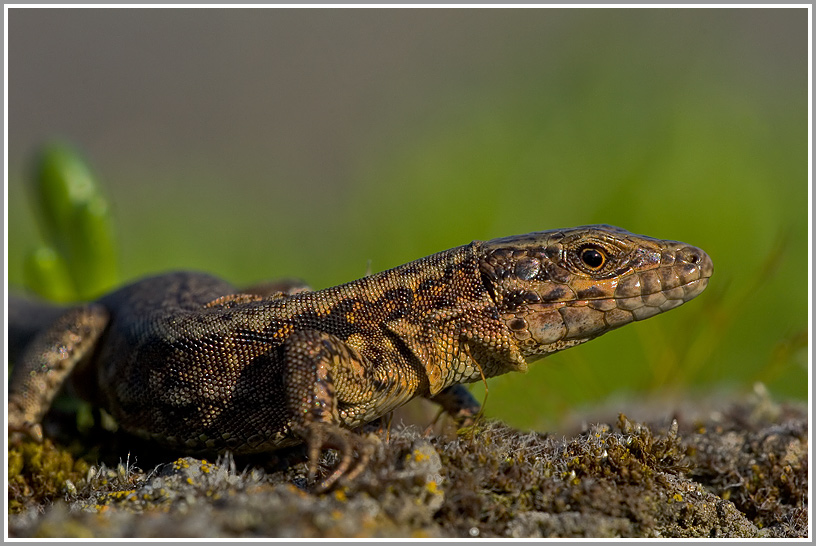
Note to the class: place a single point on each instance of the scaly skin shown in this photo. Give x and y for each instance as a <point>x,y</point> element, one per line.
<point>188,361</point>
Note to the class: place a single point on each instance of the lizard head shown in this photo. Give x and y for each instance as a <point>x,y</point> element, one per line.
<point>556,289</point>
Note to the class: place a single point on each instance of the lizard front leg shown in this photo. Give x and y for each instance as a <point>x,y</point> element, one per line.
<point>331,386</point>
<point>459,403</point>
<point>47,362</point>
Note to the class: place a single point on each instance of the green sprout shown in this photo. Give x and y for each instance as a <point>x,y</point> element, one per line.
<point>78,260</point>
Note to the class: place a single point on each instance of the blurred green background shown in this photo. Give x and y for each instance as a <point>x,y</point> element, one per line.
<point>309,143</point>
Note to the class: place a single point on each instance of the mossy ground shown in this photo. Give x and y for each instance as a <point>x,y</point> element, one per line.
<point>39,472</point>
<point>738,471</point>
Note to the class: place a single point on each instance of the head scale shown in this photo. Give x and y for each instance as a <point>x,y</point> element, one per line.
<point>556,289</point>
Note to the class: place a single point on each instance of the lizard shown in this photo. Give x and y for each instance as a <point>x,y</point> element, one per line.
<point>189,361</point>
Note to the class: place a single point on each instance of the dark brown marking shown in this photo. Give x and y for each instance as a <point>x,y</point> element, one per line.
<point>519,298</point>
<point>556,293</point>
<point>590,293</point>
<point>517,324</point>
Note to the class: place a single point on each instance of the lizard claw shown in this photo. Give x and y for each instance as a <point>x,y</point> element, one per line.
<point>21,426</point>
<point>328,435</point>
<point>25,431</point>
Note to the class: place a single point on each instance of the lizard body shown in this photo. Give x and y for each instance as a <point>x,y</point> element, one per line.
<point>189,361</point>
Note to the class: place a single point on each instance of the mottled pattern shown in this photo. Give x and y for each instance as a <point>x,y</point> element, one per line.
<point>189,361</point>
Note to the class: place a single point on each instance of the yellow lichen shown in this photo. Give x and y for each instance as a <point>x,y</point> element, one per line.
<point>419,456</point>
<point>677,497</point>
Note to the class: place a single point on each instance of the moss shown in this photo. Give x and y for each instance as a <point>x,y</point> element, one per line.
<point>39,473</point>
<point>759,462</point>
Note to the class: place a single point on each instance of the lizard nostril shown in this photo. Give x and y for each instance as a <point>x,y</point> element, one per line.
<point>697,259</point>
<point>692,255</point>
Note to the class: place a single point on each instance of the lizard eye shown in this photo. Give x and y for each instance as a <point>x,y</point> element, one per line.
<point>592,257</point>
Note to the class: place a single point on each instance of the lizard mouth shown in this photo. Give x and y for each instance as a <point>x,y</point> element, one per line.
<point>650,304</point>
<point>680,279</point>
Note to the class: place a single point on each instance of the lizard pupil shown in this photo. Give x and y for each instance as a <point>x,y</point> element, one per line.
<point>593,258</point>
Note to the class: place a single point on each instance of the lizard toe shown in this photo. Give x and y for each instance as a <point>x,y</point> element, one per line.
<point>27,430</point>
<point>354,452</point>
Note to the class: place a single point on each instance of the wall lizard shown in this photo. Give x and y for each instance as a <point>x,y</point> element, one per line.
<point>189,361</point>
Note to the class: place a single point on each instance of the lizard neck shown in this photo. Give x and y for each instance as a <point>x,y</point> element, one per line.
<point>453,328</point>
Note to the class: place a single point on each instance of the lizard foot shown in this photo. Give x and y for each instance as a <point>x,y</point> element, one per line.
<point>21,425</point>
<point>328,435</point>
<point>459,404</point>
<point>21,430</point>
